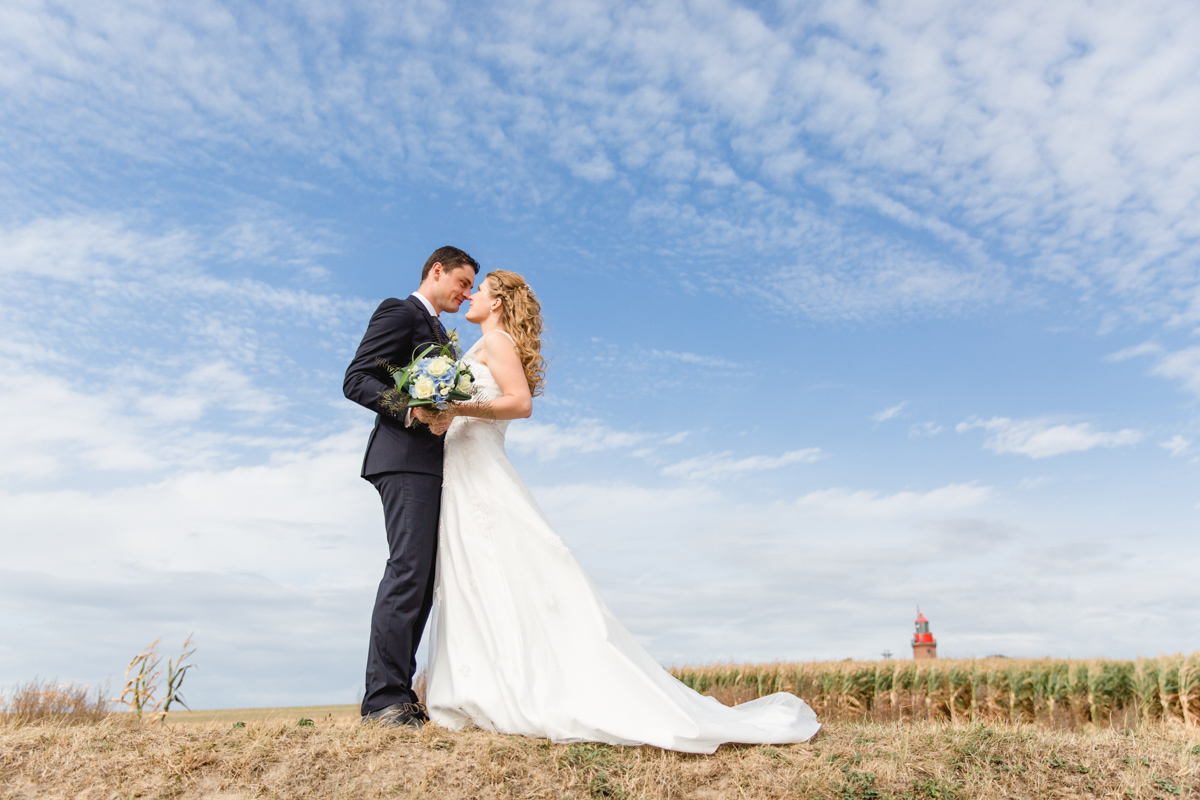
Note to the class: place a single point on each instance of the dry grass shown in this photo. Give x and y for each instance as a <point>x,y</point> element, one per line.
<point>341,758</point>
<point>229,716</point>
<point>68,703</point>
<point>935,730</point>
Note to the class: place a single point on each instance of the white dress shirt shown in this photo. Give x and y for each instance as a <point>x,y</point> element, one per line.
<point>425,302</point>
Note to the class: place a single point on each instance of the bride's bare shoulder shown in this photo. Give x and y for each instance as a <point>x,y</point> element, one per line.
<point>492,345</point>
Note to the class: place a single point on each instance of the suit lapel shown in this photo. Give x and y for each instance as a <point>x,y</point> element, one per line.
<point>430,323</point>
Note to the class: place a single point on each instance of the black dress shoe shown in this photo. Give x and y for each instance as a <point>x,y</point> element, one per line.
<point>398,715</point>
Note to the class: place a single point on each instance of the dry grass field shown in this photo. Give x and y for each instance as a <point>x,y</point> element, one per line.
<point>968,729</point>
<point>343,759</point>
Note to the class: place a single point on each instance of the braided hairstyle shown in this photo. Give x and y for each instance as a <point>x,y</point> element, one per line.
<point>521,316</point>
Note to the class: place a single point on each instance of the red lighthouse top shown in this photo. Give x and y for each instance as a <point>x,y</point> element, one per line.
<point>922,635</point>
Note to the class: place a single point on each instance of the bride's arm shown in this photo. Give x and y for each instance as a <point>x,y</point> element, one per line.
<point>501,357</point>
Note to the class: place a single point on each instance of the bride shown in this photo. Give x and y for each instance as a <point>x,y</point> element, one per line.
<point>522,642</point>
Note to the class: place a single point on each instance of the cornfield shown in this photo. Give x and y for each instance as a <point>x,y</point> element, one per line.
<point>1056,693</point>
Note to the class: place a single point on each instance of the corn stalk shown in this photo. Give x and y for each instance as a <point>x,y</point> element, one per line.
<point>141,681</point>
<point>140,693</point>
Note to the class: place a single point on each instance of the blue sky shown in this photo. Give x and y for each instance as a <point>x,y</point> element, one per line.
<point>851,306</point>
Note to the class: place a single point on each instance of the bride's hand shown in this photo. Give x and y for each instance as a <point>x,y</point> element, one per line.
<point>438,421</point>
<point>433,418</point>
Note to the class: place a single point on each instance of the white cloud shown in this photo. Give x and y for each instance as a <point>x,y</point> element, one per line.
<point>1177,445</point>
<point>954,498</point>
<point>719,465</point>
<point>1146,348</point>
<point>297,518</point>
<point>687,571</point>
<point>87,248</point>
<point>80,285</point>
<point>1181,365</point>
<point>888,413</point>
<point>707,362</point>
<point>55,429</point>
<point>925,429</point>
<point>549,440</point>
<point>92,247</point>
<point>217,383</point>
<point>42,439</point>
<point>1041,438</point>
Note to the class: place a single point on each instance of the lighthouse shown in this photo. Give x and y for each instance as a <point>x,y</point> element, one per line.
<point>923,642</point>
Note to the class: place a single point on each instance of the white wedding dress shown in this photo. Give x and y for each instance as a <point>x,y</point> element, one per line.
<point>522,642</point>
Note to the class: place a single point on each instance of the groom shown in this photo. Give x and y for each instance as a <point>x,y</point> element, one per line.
<point>404,463</point>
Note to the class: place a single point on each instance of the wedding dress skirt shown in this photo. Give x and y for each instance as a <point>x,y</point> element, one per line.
<point>523,643</point>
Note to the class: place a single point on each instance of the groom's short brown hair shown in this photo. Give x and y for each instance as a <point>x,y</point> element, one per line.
<point>451,258</point>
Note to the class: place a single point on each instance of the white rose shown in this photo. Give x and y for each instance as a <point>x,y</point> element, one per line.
<point>464,384</point>
<point>439,366</point>
<point>422,388</point>
<point>443,389</point>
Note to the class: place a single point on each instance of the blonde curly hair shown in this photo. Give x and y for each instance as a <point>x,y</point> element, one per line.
<point>521,316</point>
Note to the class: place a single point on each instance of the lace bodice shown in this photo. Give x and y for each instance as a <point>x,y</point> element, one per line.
<point>484,389</point>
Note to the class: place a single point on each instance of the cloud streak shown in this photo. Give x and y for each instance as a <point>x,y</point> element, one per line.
<point>1177,445</point>
<point>888,413</point>
<point>724,465</point>
<point>1041,438</point>
<point>1180,365</point>
<point>952,499</point>
<point>548,440</point>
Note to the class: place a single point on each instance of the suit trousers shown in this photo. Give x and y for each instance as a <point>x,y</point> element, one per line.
<point>411,504</point>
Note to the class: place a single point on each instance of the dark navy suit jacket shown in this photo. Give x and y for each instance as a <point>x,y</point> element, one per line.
<point>399,330</point>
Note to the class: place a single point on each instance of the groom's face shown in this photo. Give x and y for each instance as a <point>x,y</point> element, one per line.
<point>452,288</point>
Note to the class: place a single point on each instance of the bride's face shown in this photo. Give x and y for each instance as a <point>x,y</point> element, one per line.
<point>482,303</point>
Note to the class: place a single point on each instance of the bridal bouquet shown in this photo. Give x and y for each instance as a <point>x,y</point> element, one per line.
<point>436,377</point>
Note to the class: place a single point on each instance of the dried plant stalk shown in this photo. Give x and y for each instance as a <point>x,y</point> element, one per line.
<point>140,693</point>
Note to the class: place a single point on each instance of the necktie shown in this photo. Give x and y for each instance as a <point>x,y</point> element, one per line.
<point>444,338</point>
